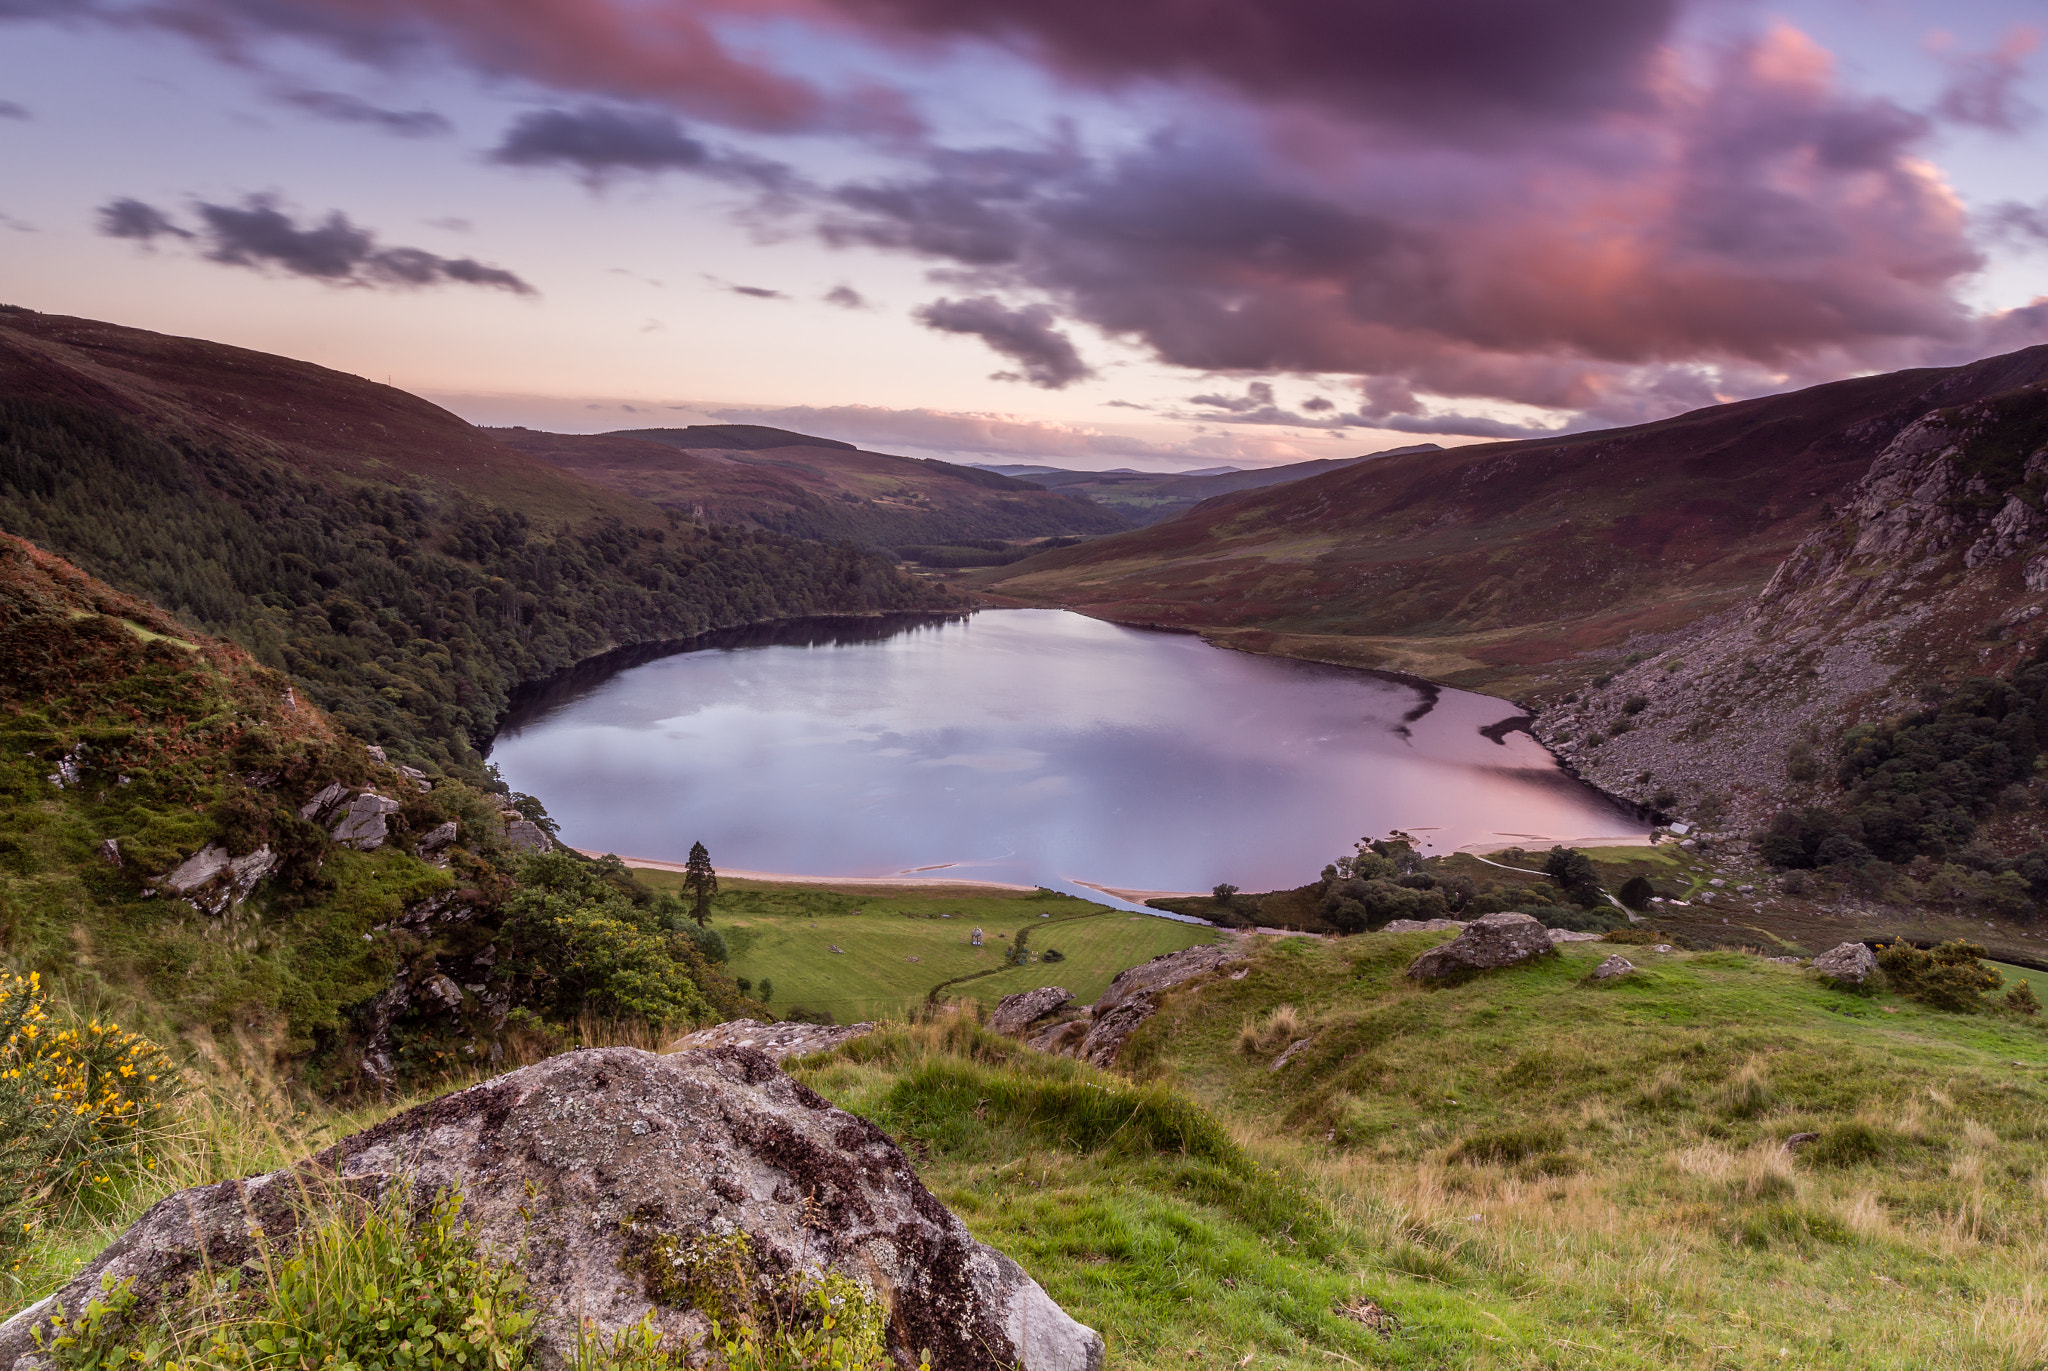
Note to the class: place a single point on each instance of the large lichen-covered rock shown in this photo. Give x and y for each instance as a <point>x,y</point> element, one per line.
<point>1488,942</point>
<point>585,1159</point>
<point>1847,963</point>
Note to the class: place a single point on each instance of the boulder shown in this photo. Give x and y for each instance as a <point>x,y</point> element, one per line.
<point>212,882</point>
<point>1488,942</point>
<point>1015,1013</point>
<point>1846,963</point>
<point>1616,965</point>
<point>778,1041</point>
<point>1566,935</point>
<point>588,1159</point>
<point>436,840</point>
<point>364,824</point>
<point>1420,925</point>
<point>110,851</point>
<point>315,810</point>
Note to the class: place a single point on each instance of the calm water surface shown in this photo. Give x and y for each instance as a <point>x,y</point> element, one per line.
<point>1027,745</point>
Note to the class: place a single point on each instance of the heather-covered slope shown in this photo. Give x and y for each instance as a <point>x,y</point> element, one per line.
<point>812,487</point>
<point>1512,566</point>
<point>405,569</point>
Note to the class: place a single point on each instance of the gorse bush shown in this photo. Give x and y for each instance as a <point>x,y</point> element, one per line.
<point>1948,977</point>
<point>79,1110</point>
<point>366,1290</point>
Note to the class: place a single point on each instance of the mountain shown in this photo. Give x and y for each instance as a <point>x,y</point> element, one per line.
<point>1147,497</point>
<point>810,487</point>
<point>405,568</point>
<point>1538,568</point>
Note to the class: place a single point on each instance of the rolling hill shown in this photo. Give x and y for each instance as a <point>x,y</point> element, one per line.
<point>812,487</point>
<point>408,570</point>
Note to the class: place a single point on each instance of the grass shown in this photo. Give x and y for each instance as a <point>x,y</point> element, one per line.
<point>785,934</point>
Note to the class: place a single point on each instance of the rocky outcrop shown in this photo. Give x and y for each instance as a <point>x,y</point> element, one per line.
<point>779,1041</point>
<point>1420,925</point>
<point>213,882</point>
<point>1488,943</point>
<point>365,824</point>
<point>1016,1013</point>
<point>1098,1034</point>
<point>1566,935</point>
<point>1847,964</point>
<point>1616,965</point>
<point>524,835</point>
<point>585,1159</point>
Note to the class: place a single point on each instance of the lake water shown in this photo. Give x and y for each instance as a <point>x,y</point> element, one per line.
<point>1027,745</point>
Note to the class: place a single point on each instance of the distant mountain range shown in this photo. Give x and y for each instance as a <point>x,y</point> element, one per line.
<point>1147,497</point>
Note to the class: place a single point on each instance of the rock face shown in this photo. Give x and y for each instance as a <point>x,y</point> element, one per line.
<point>1490,941</point>
<point>778,1041</point>
<point>582,1157</point>
<point>1018,1012</point>
<point>524,835</point>
<point>1616,965</point>
<point>364,825</point>
<point>1849,963</point>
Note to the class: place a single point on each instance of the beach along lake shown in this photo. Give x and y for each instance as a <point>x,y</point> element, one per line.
<point>1034,746</point>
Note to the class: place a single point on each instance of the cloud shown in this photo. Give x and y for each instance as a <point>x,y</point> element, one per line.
<point>971,436</point>
<point>1026,336</point>
<point>343,108</point>
<point>845,297</point>
<point>128,218</point>
<point>1390,406</point>
<point>757,292</point>
<point>1981,90</point>
<point>600,142</point>
<point>2011,219</point>
<point>257,234</point>
<point>10,110</point>
<point>1448,64</point>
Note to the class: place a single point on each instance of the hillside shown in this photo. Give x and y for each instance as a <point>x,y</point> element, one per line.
<point>1146,497</point>
<point>406,569</point>
<point>187,841</point>
<point>1531,569</point>
<point>812,487</point>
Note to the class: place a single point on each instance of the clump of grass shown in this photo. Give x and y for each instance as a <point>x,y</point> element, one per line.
<point>1275,1031</point>
<point>1854,1143</point>
<point>1745,1094</point>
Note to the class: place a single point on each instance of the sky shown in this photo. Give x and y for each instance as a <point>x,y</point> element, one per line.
<point>1159,234</point>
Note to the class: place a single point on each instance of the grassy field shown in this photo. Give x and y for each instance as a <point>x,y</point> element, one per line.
<point>896,943</point>
<point>1524,1171</point>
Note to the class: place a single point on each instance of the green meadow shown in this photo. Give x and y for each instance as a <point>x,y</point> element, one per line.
<point>896,943</point>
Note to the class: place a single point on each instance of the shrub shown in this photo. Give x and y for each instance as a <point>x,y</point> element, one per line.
<point>2021,999</point>
<point>1574,871</point>
<point>1505,1146</point>
<point>1635,704</point>
<point>1949,977</point>
<point>1634,936</point>
<point>1052,954</point>
<point>80,1108</point>
<point>1635,892</point>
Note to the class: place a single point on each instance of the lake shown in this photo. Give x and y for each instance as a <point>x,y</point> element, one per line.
<point>1036,746</point>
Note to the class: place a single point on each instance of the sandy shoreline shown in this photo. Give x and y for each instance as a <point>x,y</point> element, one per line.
<point>791,878</point>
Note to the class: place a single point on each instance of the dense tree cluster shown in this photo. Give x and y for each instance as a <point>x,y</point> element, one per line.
<point>409,611</point>
<point>1915,791</point>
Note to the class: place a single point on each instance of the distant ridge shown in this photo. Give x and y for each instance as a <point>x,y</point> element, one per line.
<point>744,437</point>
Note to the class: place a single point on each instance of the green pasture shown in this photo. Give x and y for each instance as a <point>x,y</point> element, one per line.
<point>896,943</point>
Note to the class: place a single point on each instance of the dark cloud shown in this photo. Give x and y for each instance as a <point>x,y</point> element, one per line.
<point>599,142</point>
<point>1982,87</point>
<point>10,110</point>
<point>343,108</point>
<point>1445,64</point>
<point>127,218</point>
<point>2027,223</point>
<point>757,292</point>
<point>1026,336</point>
<point>846,297</point>
<point>258,234</point>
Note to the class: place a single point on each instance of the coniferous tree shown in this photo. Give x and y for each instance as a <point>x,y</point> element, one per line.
<point>701,881</point>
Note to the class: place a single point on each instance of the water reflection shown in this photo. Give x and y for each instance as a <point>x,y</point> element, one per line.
<point>1031,745</point>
